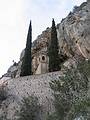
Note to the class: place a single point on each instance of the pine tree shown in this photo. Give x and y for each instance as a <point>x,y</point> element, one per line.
<point>26,68</point>
<point>53,51</point>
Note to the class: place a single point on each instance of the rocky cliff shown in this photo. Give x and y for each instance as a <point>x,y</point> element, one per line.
<point>74,31</point>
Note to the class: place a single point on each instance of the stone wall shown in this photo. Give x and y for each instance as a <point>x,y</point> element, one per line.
<point>37,85</point>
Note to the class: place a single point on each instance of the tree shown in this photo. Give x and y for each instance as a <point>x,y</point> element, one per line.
<point>30,109</point>
<point>71,95</point>
<point>26,68</point>
<point>53,51</point>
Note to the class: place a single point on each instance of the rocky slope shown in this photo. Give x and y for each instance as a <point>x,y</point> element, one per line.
<point>17,88</point>
<point>73,34</point>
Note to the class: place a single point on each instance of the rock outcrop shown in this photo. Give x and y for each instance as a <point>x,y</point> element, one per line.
<point>74,32</point>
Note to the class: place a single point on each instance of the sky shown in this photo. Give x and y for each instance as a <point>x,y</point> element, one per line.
<point>15,16</point>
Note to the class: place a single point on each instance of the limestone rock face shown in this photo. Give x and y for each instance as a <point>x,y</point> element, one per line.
<point>88,1</point>
<point>74,32</point>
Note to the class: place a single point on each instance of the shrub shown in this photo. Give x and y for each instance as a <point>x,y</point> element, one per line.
<point>3,118</point>
<point>30,109</point>
<point>3,93</point>
<point>76,8</point>
<point>70,93</point>
<point>84,67</point>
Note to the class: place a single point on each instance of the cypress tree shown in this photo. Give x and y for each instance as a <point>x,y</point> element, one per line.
<point>53,51</point>
<point>26,68</point>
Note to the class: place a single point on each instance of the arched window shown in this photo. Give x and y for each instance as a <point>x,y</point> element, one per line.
<point>43,58</point>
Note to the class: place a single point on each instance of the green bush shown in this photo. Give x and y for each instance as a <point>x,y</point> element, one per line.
<point>3,93</point>
<point>70,93</point>
<point>30,109</point>
<point>3,118</point>
<point>84,67</point>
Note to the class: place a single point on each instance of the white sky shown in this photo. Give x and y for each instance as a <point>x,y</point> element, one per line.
<point>14,22</point>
